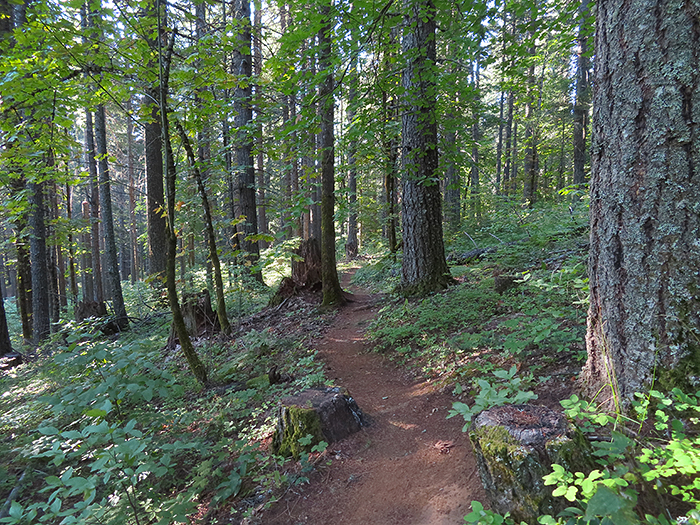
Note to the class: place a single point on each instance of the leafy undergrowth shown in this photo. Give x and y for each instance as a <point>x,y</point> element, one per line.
<point>117,431</point>
<point>537,321</point>
<point>512,330</point>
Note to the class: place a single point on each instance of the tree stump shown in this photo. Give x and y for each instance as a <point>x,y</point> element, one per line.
<point>86,309</point>
<point>11,360</point>
<point>200,318</point>
<point>327,414</point>
<point>515,446</point>
<point>307,271</point>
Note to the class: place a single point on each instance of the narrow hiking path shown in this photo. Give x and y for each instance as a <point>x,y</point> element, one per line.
<point>411,466</point>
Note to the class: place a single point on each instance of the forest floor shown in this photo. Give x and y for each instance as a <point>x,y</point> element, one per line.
<point>411,465</point>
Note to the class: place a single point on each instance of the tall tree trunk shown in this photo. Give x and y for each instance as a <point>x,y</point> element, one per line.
<point>131,169</point>
<point>155,202</point>
<point>352,244</point>
<point>332,293</point>
<point>509,137</point>
<point>94,200</point>
<point>243,108</point>
<point>41,322</point>
<point>113,277</point>
<point>424,268</point>
<point>474,197</point>
<point>71,247</point>
<point>562,156</point>
<point>529,161</point>
<point>154,188</point>
<point>88,281</point>
<point>583,95</point>
<point>263,226</point>
<point>51,249</point>
<point>5,343</point>
<point>453,183</point>
<point>209,228</point>
<point>196,365</point>
<point>60,261</point>
<point>644,313</point>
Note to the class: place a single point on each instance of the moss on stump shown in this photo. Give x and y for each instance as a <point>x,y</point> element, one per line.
<point>515,446</point>
<point>326,414</point>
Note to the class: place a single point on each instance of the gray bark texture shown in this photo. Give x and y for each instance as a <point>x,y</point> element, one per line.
<point>424,268</point>
<point>41,323</point>
<point>154,188</point>
<point>332,293</point>
<point>644,318</point>
<point>242,67</point>
<point>113,277</point>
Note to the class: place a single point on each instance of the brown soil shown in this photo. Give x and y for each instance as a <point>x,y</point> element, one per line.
<point>410,466</point>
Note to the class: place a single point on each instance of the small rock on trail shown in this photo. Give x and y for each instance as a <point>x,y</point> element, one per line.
<point>410,467</point>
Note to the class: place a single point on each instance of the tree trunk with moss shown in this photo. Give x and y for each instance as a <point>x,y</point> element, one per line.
<point>424,267</point>
<point>332,292</point>
<point>644,317</point>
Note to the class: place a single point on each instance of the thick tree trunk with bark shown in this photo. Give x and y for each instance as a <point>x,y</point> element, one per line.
<point>94,200</point>
<point>424,267</point>
<point>332,292</point>
<point>352,243</point>
<point>113,277</point>
<point>242,67</point>
<point>131,169</point>
<point>41,322</point>
<point>644,257</point>
<point>154,188</point>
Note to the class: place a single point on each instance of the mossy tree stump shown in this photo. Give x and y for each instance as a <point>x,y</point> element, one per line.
<point>515,446</point>
<point>327,414</point>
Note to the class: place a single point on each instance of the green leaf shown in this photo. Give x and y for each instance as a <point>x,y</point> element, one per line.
<point>603,502</point>
<point>96,412</point>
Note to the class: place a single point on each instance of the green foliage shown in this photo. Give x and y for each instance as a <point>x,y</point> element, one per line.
<point>543,315</point>
<point>505,389</point>
<point>650,479</point>
<point>117,434</point>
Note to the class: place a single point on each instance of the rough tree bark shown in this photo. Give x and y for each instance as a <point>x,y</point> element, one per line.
<point>113,277</point>
<point>155,207</point>
<point>94,200</point>
<point>424,268</point>
<point>644,257</point>
<point>242,68</point>
<point>41,323</point>
<point>352,243</point>
<point>332,292</point>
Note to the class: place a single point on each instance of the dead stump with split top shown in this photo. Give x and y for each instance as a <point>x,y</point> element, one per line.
<point>200,318</point>
<point>326,414</point>
<point>515,446</point>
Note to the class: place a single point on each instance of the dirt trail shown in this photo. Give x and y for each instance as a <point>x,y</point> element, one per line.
<point>410,467</point>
